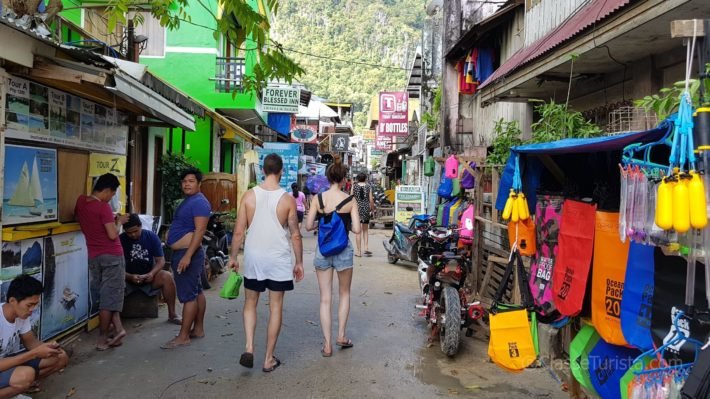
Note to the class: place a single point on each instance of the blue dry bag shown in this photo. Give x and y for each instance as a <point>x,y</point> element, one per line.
<point>332,234</point>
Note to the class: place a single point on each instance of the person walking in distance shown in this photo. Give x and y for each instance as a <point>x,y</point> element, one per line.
<point>107,267</point>
<point>267,216</point>
<point>188,261</point>
<point>365,205</point>
<point>323,205</point>
<point>300,198</point>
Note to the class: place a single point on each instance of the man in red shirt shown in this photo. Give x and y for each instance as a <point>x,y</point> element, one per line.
<point>106,262</point>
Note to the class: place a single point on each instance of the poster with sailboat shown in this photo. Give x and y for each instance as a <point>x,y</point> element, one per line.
<point>30,185</point>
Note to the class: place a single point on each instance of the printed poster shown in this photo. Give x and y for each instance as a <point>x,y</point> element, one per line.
<point>18,104</point>
<point>39,109</point>
<point>290,154</point>
<point>408,197</point>
<point>57,113</point>
<point>30,193</point>
<point>65,302</point>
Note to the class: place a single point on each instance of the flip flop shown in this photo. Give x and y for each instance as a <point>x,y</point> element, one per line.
<point>173,345</point>
<point>176,321</point>
<point>368,253</point>
<point>102,348</point>
<point>272,368</point>
<point>326,354</point>
<point>345,345</point>
<point>117,339</point>
<point>247,360</point>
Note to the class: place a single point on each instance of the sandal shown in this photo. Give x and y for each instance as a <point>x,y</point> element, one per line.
<point>247,360</point>
<point>172,344</point>
<point>344,345</point>
<point>326,354</point>
<point>272,368</point>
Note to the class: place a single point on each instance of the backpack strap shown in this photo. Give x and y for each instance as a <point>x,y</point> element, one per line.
<point>343,203</point>
<point>320,202</point>
<point>504,282</point>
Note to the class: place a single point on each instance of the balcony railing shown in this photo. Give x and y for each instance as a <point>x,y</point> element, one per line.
<point>229,73</point>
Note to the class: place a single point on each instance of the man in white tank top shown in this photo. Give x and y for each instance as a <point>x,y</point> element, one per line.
<point>267,215</point>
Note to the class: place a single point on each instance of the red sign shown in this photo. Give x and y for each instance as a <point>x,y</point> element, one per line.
<point>383,143</point>
<point>394,115</point>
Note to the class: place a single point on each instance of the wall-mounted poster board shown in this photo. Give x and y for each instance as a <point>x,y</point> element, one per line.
<point>65,302</point>
<point>30,192</point>
<point>38,113</point>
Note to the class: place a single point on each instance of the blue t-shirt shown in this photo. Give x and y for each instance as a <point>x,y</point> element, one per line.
<point>140,253</point>
<point>184,219</point>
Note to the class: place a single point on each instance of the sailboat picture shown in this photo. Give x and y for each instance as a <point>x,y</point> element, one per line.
<point>30,185</point>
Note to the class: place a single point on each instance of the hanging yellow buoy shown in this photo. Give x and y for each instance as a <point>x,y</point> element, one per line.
<point>664,205</point>
<point>696,199</point>
<point>681,208</point>
<point>523,212</point>
<point>515,214</point>
<point>508,209</point>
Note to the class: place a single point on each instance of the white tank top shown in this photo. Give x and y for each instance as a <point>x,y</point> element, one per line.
<point>267,248</point>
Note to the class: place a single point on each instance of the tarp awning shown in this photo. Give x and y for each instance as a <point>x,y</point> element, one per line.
<point>532,168</point>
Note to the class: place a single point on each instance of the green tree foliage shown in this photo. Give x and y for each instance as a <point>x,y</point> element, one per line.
<point>558,122</point>
<point>374,32</point>
<point>170,167</point>
<point>506,134</point>
<point>238,21</point>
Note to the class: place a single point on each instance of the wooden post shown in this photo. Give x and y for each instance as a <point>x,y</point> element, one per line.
<point>686,28</point>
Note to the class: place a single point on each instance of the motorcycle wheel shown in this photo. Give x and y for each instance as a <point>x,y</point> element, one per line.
<point>391,259</point>
<point>450,330</point>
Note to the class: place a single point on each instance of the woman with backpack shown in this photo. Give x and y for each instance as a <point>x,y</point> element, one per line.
<point>337,215</point>
<point>365,205</point>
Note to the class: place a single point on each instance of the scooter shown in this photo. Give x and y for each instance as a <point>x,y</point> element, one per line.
<point>404,243</point>
<point>445,304</point>
<point>215,244</point>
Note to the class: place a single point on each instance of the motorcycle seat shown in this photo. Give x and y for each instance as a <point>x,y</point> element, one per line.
<point>447,256</point>
<point>405,229</point>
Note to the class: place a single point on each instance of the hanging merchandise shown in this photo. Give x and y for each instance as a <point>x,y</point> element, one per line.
<point>516,206</point>
<point>468,181</point>
<point>607,365</point>
<point>697,385</point>
<point>445,187</point>
<point>429,166</point>
<point>608,274</point>
<point>576,246</point>
<point>450,207</point>
<point>547,216</point>
<point>467,224</point>
<point>585,340</point>
<point>456,187</point>
<point>671,292</point>
<point>511,343</point>
<point>451,167</point>
<point>521,234</point>
<point>637,299</point>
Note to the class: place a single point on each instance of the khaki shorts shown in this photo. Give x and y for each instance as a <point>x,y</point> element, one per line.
<point>108,272</point>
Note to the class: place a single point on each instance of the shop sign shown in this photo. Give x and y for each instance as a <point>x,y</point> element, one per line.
<point>394,114</point>
<point>408,197</point>
<point>383,143</point>
<point>281,99</point>
<point>30,182</point>
<point>289,153</point>
<point>37,113</point>
<point>339,142</point>
<point>304,134</point>
<point>369,135</point>
<point>100,164</point>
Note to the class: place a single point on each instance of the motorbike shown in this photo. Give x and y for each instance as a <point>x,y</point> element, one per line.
<point>215,243</point>
<point>404,243</point>
<point>436,240</point>
<point>445,304</point>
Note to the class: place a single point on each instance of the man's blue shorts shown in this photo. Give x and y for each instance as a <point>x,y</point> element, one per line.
<point>188,283</point>
<point>5,375</point>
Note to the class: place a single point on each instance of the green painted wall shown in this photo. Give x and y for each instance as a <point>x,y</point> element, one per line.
<point>197,144</point>
<point>192,35</point>
<point>72,15</point>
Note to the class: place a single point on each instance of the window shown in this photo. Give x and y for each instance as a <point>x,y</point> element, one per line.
<point>150,28</point>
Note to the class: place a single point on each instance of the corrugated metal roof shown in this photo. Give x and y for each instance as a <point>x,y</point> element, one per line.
<point>586,17</point>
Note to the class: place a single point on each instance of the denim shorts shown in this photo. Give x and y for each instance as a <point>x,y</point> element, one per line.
<point>339,262</point>
<point>5,375</point>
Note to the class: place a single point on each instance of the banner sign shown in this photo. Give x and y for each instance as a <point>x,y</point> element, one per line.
<point>289,153</point>
<point>394,115</point>
<point>100,164</point>
<point>369,136</point>
<point>304,134</point>
<point>339,142</point>
<point>37,113</point>
<point>281,99</point>
<point>408,197</point>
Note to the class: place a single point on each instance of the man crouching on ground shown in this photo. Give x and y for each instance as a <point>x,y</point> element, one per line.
<point>18,372</point>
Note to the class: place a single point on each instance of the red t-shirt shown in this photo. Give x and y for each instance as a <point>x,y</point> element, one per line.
<point>92,215</point>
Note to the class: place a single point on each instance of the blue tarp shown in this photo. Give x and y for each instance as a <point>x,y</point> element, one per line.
<point>531,168</point>
<point>281,123</point>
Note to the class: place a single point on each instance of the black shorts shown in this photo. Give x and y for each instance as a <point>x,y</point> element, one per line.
<point>300,216</point>
<point>262,285</point>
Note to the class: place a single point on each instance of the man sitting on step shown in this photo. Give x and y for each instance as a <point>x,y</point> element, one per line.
<point>144,265</point>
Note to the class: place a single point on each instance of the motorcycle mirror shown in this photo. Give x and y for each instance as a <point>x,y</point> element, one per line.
<point>225,201</point>
<point>409,209</point>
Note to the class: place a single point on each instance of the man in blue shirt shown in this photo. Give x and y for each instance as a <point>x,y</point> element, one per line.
<point>144,264</point>
<point>188,263</point>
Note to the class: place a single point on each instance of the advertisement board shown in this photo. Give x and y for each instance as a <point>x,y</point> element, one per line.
<point>339,142</point>
<point>383,143</point>
<point>281,99</point>
<point>394,114</point>
<point>408,197</point>
<point>289,153</point>
<point>30,193</point>
<point>304,134</point>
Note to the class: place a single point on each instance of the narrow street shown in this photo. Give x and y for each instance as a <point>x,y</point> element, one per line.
<point>390,358</point>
